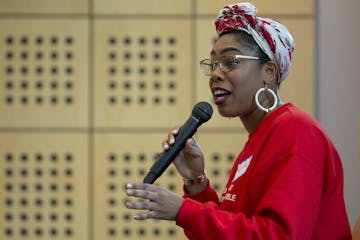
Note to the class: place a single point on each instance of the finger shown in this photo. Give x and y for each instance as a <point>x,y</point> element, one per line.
<point>142,186</point>
<point>172,134</point>
<point>146,191</point>
<point>175,131</point>
<point>171,138</point>
<point>190,144</point>
<point>146,215</point>
<point>193,142</point>
<point>141,193</point>
<point>141,205</point>
<point>165,145</point>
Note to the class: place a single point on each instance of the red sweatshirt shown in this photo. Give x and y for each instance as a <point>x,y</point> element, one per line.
<point>287,183</point>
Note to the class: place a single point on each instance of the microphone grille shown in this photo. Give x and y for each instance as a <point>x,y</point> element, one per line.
<point>202,111</point>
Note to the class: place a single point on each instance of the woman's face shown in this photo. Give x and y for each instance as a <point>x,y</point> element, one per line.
<point>234,91</point>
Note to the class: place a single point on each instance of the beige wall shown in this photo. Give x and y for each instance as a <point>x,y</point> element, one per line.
<point>338,87</point>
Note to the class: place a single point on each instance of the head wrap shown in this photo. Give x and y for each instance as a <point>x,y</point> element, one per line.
<point>271,36</point>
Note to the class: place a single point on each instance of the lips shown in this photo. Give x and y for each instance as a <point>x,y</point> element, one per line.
<point>220,95</point>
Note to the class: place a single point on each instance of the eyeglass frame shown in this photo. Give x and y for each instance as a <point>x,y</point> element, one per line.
<point>214,64</point>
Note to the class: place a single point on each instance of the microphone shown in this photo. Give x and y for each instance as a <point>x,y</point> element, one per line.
<point>201,113</point>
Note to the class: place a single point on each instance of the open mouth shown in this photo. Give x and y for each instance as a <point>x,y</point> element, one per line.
<point>220,95</point>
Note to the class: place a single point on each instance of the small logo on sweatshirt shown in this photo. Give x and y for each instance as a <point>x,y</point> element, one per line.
<point>242,167</point>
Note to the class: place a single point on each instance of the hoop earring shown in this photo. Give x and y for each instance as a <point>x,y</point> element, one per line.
<point>269,109</point>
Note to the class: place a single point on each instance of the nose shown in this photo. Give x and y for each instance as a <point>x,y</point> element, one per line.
<point>217,74</point>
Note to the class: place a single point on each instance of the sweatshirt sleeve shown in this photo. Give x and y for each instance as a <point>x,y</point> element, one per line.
<point>207,195</point>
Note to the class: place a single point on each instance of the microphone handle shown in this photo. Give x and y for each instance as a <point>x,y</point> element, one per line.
<point>186,131</point>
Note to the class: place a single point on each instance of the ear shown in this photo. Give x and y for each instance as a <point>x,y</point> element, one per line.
<point>270,71</point>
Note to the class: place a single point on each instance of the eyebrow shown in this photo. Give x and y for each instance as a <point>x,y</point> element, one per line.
<point>225,50</point>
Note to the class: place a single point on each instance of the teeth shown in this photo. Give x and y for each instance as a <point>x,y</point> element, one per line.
<point>220,92</point>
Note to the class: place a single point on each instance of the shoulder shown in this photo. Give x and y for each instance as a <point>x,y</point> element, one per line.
<point>307,136</point>
<point>289,113</point>
<point>297,129</point>
<point>294,119</point>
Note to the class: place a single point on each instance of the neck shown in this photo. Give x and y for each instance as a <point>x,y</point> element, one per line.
<point>255,118</point>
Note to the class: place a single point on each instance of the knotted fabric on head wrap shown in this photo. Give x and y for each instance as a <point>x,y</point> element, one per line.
<point>271,36</point>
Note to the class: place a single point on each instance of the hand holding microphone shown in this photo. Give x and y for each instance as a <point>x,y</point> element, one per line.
<point>201,113</point>
<point>164,204</point>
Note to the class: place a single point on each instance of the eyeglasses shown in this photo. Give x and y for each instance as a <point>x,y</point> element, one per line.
<point>226,64</point>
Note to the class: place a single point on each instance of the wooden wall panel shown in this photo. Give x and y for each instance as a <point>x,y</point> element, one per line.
<point>44,186</point>
<point>277,7</point>
<point>142,75</point>
<point>220,151</point>
<point>120,159</point>
<point>142,7</point>
<point>44,6</point>
<point>299,86</point>
<point>44,73</point>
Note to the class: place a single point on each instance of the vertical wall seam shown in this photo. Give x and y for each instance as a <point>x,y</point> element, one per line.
<point>317,57</point>
<point>91,128</point>
<point>193,50</point>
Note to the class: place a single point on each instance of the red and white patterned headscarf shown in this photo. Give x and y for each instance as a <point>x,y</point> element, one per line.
<point>271,36</point>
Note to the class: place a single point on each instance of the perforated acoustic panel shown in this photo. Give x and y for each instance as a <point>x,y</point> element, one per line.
<point>44,6</point>
<point>220,151</point>
<point>299,86</point>
<point>143,7</point>
<point>44,186</point>
<point>266,8</point>
<point>44,74</point>
<point>143,76</point>
<point>120,159</point>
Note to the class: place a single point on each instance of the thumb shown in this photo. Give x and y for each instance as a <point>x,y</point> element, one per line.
<point>191,145</point>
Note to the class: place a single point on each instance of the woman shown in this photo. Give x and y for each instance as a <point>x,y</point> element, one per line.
<point>287,182</point>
